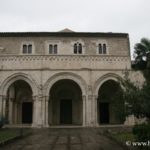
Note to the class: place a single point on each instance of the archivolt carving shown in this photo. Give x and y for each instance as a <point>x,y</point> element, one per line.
<point>18,76</point>
<point>101,80</point>
<point>65,75</point>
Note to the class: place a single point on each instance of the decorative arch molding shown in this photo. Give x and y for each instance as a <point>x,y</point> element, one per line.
<point>104,78</point>
<point>18,76</point>
<point>65,75</point>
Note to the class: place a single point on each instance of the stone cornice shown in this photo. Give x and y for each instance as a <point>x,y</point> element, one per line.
<point>62,34</point>
<point>64,57</point>
<point>64,62</point>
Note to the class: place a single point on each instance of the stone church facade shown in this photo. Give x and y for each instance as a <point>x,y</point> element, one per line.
<point>61,78</point>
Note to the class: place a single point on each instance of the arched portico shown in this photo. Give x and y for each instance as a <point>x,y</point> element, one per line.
<point>18,94</point>
<point>65,75</point>
<point>18,76</point>
<point>65,103</point>
<point>106,89</point>
<point>97,88</point>
<point>104,78</point>
<point>77,86</point>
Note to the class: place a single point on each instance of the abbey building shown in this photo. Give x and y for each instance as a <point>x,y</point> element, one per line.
<point>61,78</point>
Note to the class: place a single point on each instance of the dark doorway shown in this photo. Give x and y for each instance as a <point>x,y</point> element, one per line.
<point>66,111</point>
<point>27,112</point>
<point>104,113</point>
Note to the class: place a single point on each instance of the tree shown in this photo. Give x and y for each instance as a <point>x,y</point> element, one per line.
<point>138,99</point>
<point>142,57</point>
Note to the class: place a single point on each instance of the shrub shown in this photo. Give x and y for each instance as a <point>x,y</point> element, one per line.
<point>3,121</point>
<point>142,132</point>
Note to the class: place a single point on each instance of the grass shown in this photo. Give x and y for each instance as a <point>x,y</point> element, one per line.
<point>123,137</point>
<point>9,134</point>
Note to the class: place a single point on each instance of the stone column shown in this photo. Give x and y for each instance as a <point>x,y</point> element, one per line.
<point>37,111</point>
<point>34,112</point>
<point>1,105</point>
<point>92,110</point>
<point>15,112</point>
<point>94,121</point>
<point>45,111</point>
<point>10,110</point>
<point>89,109</point>
<point>84,110</point>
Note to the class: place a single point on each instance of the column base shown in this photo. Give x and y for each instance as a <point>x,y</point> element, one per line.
<point>36,126</point>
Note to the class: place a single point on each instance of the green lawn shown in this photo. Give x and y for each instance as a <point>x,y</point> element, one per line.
<point>9,134</point>
<point>123,137</point>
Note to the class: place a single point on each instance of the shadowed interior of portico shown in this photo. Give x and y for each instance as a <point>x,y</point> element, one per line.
<point>65,103</point>
<point>19,104</point>
<point>109,105</point>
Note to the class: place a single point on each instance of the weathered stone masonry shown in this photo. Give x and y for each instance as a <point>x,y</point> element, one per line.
<point>38,88</point>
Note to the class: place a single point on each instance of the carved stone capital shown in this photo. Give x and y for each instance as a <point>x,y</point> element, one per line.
<point>83,97</point>
<point>92,97</point>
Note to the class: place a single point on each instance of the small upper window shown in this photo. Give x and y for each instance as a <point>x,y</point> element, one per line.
<point>80,48</point>
<point>102,49</point>
<point>53,49</point>
<point>50,49</point>
<point>27,49</point>
<point>77,48</point>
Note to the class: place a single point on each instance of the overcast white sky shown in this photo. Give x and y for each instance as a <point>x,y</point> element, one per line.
<point>129,16</point>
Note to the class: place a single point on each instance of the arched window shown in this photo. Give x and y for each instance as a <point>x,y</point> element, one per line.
<point>80,48</point>
<point>77,48</point>
<point>30,49</point>
<point>100,48</point>
<point>104,48</point>
<point>24,49</point>
<point>50,49</point>
<point>55,49</point>
<point>27,49</point>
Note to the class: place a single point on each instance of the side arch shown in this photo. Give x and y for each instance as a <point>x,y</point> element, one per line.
<point>104,78</point>
<point>65,75</point>
<point>18,76</point>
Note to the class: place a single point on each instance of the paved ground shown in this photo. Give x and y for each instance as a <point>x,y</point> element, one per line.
<point>64,139</point>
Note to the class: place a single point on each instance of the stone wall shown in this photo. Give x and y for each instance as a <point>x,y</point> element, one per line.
<point>115,45</point>
<point>41,71</point>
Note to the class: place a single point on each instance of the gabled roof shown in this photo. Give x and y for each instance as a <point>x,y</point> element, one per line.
<point>66,30</point>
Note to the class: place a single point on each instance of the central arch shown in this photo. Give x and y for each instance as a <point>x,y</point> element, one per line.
<point>65,75</point>
<point>76,85</point>
<point>65,103</point>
